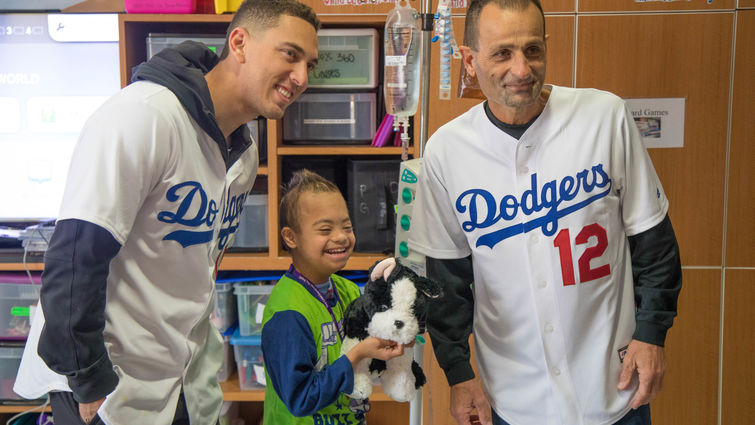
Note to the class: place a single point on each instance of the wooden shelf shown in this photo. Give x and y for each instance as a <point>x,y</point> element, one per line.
<point>19,267</point>
<point>373,20</point>
<point>242,261</point>
<point>232,392</point>
<point>18,408</point>
<point>263,261</point>
<point>174,17</point>
<point>340,150</point>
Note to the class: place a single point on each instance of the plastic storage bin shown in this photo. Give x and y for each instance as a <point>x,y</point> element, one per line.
<point>249,361</point>
<point>158,41</point>
<point>16,302</point>
<point>330,118</point>
<point>160,6</point>
<point>224,314</point>
<point>253,232</point>
<point>251,304</point>
<point>10,359</point>
<point>347,59</point>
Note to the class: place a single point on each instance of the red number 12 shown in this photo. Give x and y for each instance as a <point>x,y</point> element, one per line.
<point>586,273</point>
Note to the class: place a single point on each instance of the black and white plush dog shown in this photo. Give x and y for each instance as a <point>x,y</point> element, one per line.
<point>393,307</point>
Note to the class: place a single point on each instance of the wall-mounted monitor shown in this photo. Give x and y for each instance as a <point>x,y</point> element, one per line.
<point>55,70</point>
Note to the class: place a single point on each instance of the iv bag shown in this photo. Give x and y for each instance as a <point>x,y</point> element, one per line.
<point>402,61</point>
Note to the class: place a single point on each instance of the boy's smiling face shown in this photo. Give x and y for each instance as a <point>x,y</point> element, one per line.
<point>324,240</point>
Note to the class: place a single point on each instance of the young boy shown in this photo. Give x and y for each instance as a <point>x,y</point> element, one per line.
<point>302,327</point>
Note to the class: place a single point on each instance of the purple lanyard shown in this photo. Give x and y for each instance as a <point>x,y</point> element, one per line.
<point>312,288</point>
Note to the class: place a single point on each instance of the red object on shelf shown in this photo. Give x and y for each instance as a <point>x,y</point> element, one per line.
<point>205,6</point>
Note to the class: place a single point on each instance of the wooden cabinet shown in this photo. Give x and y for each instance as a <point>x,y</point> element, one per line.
<point>134,29</point>
<point>133,32</point>
<point>663,56</point>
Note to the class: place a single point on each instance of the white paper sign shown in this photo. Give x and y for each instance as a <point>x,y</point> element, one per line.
<point>259,373</point>
<point>259,313</point>
<point>660,121</point>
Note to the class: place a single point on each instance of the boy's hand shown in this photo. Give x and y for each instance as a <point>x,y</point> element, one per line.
<point>386,349</point>
<point>375,348</point>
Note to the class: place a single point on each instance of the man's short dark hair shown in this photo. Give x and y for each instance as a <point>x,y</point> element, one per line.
<point>258,16</point>
<point>471,26</point>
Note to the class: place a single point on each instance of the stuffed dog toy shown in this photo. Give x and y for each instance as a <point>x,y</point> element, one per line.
<point>393,307</point>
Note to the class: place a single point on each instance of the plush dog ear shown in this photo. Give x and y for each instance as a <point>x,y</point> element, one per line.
<point>382,269</point>
<point>429,287</point>
<point>356,318</point>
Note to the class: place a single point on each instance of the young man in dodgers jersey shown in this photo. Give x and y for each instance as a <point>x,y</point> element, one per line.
<point>157,182</point>
<point>546,198</point>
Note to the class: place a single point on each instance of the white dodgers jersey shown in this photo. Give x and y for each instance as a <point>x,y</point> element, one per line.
<point>158,183</point>
<point>546,219</point>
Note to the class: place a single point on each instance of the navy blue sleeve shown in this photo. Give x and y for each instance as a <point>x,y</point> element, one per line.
<point>657,272</point>
<point>74,282</point>
<point>290,354</point>
<point>449,320</point>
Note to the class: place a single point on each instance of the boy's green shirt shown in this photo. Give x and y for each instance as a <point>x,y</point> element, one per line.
<point>289,294</point>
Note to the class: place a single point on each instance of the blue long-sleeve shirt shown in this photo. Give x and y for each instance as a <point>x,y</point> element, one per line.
<point>290,357</point>
<point>302,382</point>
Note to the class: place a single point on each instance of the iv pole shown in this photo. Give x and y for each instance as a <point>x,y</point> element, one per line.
<point>427,28</point>
<point>415,407</point>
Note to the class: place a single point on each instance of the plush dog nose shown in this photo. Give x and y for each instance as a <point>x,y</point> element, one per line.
<point>398,324</point>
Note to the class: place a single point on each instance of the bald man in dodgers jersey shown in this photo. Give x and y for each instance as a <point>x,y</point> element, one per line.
<point>544,199</point>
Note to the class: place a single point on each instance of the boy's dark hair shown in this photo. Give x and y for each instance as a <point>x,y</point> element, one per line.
<point>257,16</point>
<point>301,181</point>
<point>471,25</point>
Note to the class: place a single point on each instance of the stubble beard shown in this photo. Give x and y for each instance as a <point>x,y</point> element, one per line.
<point>518,102</point>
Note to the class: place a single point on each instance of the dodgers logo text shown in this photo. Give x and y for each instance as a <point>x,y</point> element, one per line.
<point>483,209</point>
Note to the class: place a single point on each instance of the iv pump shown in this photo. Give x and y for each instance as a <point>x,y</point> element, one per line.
<point>402,67</point>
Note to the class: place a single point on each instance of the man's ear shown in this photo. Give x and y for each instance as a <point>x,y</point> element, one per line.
<point>289,236</point>
<point>467,58</point>
<point>238,39</point>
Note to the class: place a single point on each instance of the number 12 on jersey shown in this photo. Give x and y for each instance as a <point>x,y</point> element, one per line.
<point>586,273</point>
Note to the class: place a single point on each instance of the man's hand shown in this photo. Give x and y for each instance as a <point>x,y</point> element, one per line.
<point>650,363</point>
<point>88,411</point>
<point>466,397</point>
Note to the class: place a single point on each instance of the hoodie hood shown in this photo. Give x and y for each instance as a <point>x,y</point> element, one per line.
<point>181,69</point>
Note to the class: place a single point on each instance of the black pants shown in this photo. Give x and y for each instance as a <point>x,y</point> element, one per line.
<point>65,410</point>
